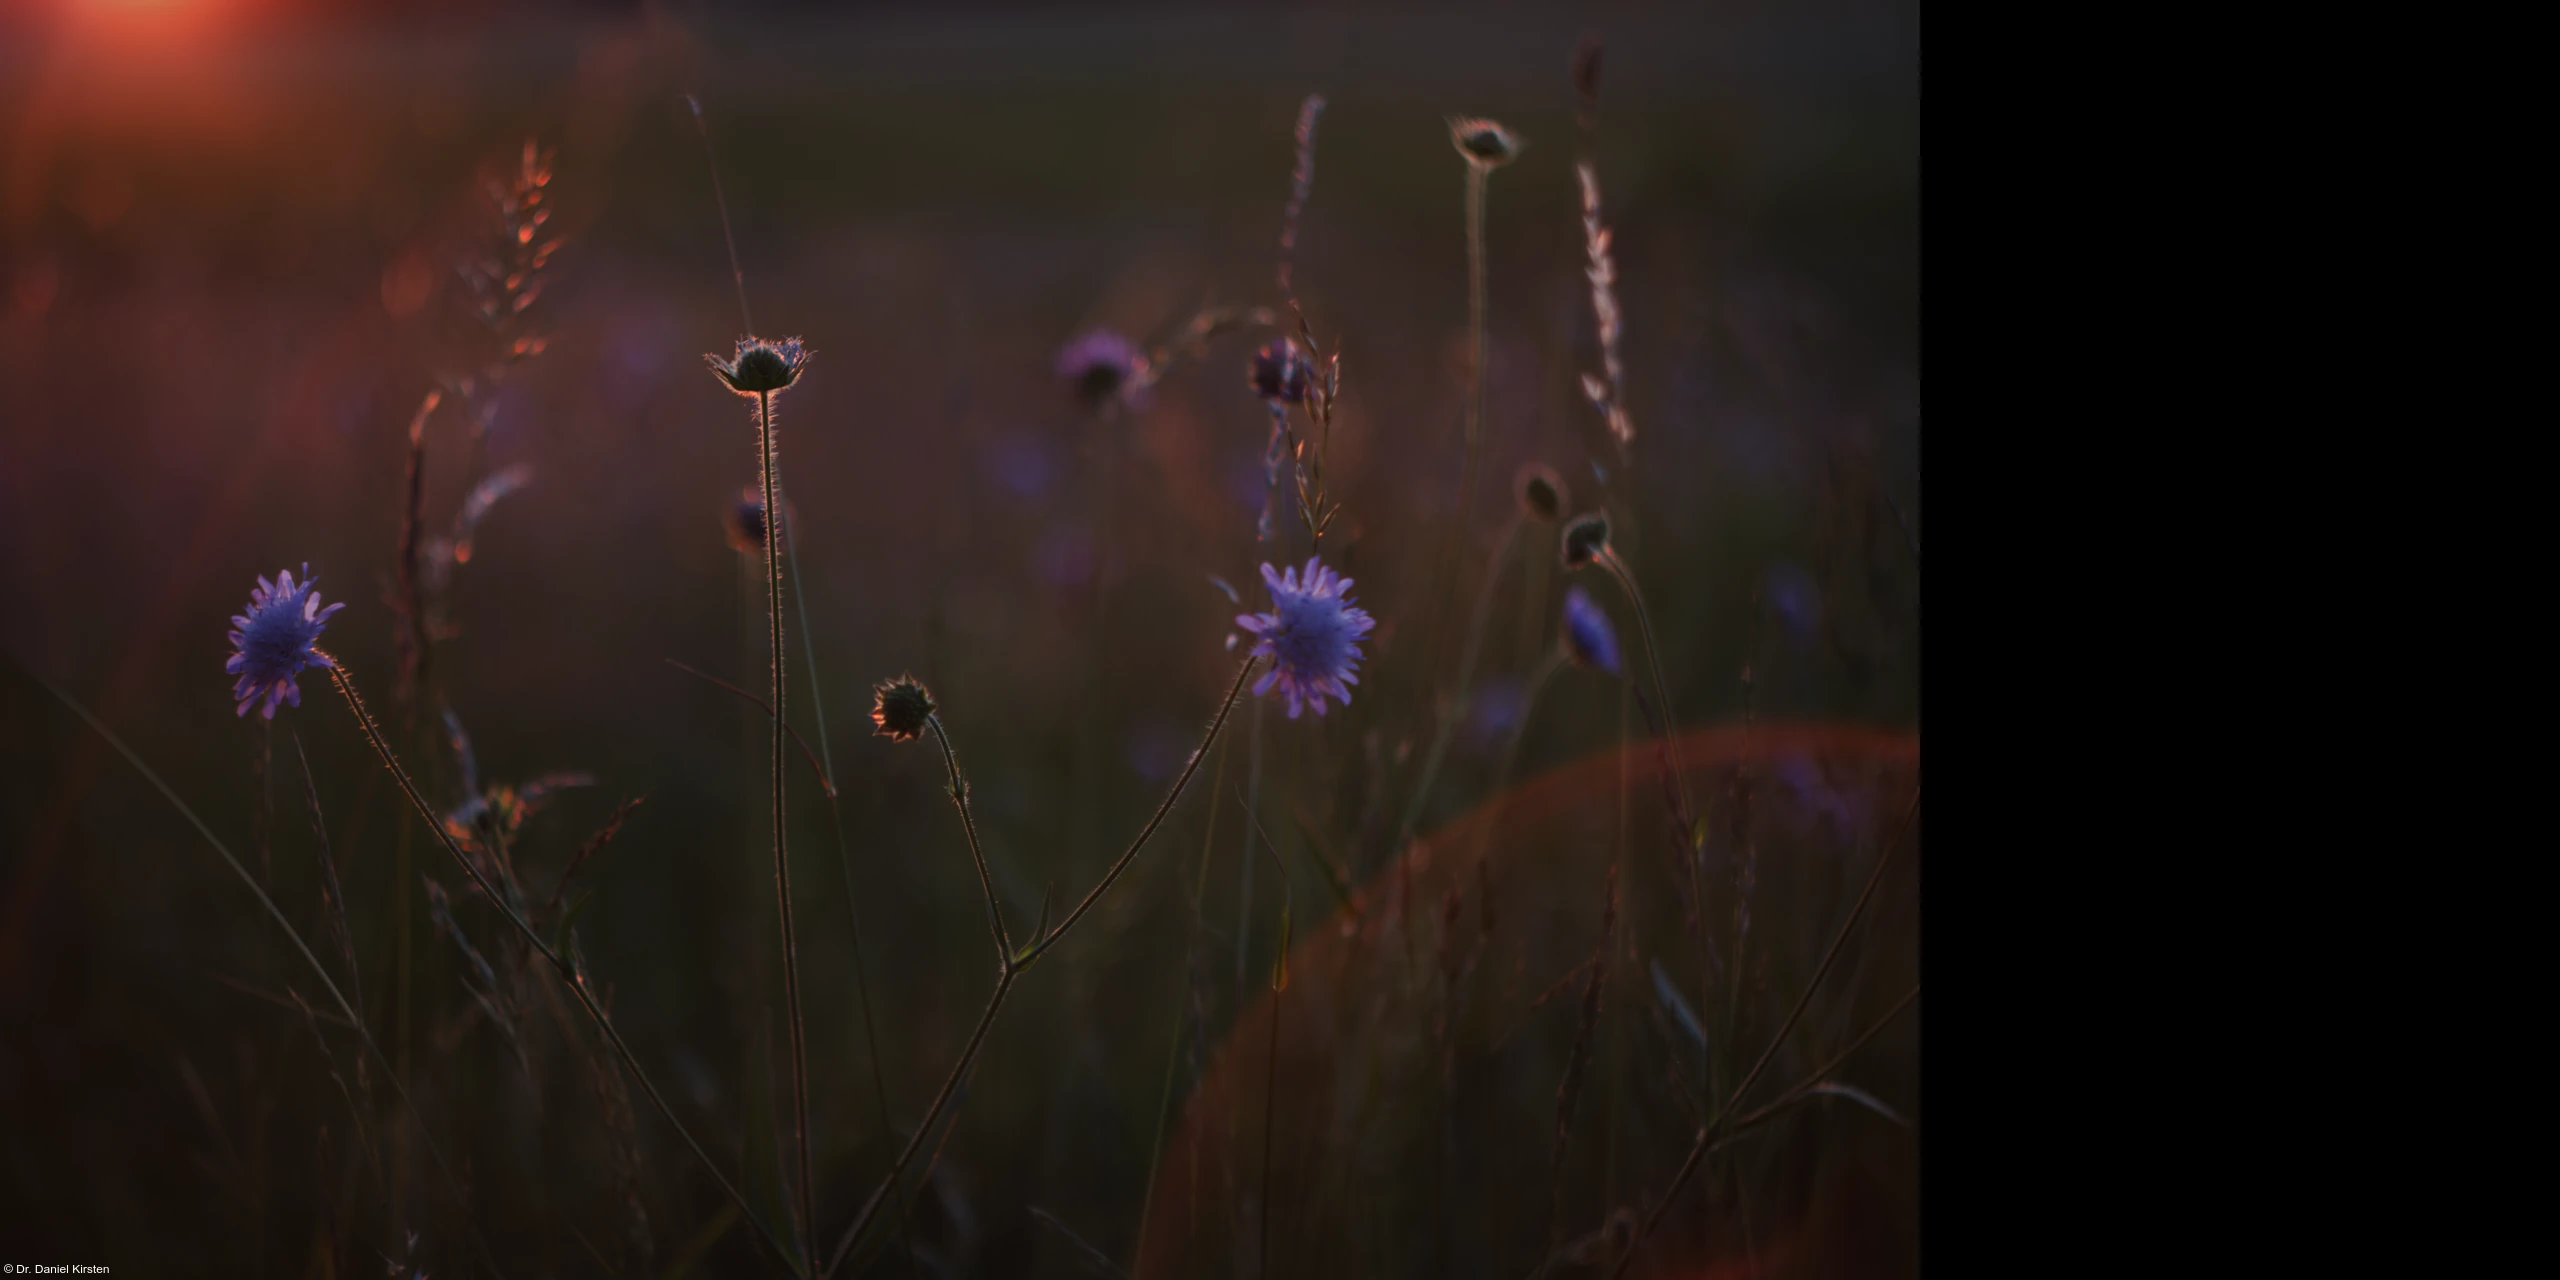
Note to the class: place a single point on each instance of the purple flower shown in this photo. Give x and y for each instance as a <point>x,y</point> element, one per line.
<point>1588,637</point>
<point>1312,635</point>
<point>1101,364</point>
<point>271,644</point>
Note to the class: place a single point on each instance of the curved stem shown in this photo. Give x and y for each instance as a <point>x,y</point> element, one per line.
<point>1608,559</point>
<point>986,881</point>
<point>1155,820</point>
<point>781,846</point>
<point>568,972</point>
<point>1012,968</point>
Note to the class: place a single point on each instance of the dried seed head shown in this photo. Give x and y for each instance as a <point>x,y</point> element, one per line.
<point>899,707</point>
<point>761,367</point>
<point>1280,372</point>
<point>1585,539</point>
<point>1484,142</point>
<point>1541,491</point>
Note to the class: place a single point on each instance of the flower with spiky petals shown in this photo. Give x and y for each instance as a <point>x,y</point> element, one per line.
<point>271,643</point>
<point>900,708</point>
<point>1589,639</point>
<point>1101,364</point>
<point>761,367</point>
<point>1312,636</point>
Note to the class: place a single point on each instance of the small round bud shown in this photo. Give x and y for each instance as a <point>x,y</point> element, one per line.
<point>761,367</point>
<point>1585,539</point>
<point>1541,491</point>
<point>899,707</point>
<point>1280,372</point>
<point>1484,142</point>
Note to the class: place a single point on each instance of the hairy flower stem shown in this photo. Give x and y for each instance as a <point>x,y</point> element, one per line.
<point>781,847</point>
<point>1717,1126</point>
<point>959,791</point>
<point>1476,179</point>
<point>835,808</point>
<point>1013,966</point>
<point>570,974</point>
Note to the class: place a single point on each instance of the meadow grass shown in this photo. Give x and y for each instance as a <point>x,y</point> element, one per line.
<point>1567,1091</point>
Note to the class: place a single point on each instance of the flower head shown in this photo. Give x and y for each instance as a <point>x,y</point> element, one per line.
<point>271,644</point>
<point>1588,638</point>
<point>761,367</point>
<point>1542,492</point>
<point>1280,372</point>
<point>1585,539</point>
<point>1483,142</point>
<point>900,707</point>
<point>1101,364</point>
<point>1312,635</point>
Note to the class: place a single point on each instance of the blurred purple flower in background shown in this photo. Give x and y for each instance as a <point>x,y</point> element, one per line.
<point>1589,639</point>
<point>1798,603</point>
<point>271,644</point>
<point>1496,707</point>
<point>1100,364</point>
<point>1024,464</point>
<point>1312,634</point>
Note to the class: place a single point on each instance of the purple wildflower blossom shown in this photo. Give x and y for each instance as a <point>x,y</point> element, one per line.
<point>1312,635</point>
<point>271,644</point>
<point>1100,364</point>
<point>1589,639</point>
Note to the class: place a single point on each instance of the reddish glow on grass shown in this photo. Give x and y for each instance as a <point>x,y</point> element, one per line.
<point>1373,988</point>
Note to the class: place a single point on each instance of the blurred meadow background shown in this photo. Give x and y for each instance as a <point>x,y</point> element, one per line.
<point>244,242</point>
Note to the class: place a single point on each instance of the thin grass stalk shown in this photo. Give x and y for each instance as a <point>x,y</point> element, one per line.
<point>1173,1051</point>
<point>781,843</point>
<point>1617,567</point>
<point>571,975</point>
<point>1013,967</point>
<point>1457,712</point>
<point>319,970</point>
<point>1707,1135</point>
